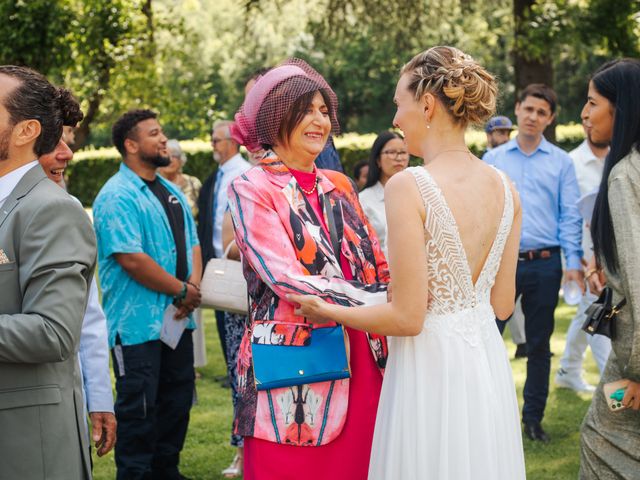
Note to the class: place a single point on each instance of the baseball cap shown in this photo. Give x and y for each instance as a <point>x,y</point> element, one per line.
<point>498,123</point>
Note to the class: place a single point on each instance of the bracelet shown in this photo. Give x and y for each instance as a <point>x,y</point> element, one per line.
<point>183,293</point>
<point>591,272</point>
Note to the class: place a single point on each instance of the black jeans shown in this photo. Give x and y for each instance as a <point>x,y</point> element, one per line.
<point>538,281</point>
<point>154,386</point>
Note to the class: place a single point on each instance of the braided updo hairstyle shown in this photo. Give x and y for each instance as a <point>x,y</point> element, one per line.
<point>463,86</point>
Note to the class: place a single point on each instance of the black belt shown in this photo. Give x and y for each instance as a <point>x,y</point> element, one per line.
<point>537,254</point>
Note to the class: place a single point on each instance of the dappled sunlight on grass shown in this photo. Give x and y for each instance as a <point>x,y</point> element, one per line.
<point>560,459</point>
<point>207,450</point>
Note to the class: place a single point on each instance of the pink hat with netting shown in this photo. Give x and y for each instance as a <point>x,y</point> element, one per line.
<point>258,120</point>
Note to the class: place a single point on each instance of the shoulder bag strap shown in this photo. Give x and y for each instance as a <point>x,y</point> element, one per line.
<point>331,226</point>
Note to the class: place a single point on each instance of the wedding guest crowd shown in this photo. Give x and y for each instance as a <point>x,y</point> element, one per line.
<point>313,249</point>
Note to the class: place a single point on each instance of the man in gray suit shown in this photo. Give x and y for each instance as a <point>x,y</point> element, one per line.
<point>47,258</point>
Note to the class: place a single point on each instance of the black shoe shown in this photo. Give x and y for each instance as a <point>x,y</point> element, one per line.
<point>521,350</point>
<point>534,431</point>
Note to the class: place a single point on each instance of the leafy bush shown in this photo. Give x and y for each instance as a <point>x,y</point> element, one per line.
<point>91,168</point>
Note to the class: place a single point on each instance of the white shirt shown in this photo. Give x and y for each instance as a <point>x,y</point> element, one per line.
<point>93,356</point>
<point>9,181</point>
<point>232,168</point>
<point>589,173</point>
<point>372,201</point>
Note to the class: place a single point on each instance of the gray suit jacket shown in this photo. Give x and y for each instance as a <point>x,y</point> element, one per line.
<point>49,257</point>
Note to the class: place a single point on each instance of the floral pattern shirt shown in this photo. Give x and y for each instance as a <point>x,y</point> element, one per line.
<point>285,250</point>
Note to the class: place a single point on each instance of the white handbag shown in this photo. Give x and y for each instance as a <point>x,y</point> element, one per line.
<point>223,286</point>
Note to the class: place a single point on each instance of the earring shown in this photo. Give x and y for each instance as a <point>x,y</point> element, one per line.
<point>428,126</point>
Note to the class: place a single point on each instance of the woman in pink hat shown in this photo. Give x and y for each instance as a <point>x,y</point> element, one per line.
<point>301,229</point>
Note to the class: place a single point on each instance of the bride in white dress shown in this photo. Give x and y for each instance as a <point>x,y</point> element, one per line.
<point>448,407</point>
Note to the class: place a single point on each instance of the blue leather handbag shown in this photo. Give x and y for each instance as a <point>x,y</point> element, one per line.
<point>323,359</point>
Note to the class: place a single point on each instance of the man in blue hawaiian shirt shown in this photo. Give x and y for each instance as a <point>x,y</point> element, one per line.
<point>149,261</point>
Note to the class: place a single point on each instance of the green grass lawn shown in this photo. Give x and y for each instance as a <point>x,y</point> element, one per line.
<point>207,449</point>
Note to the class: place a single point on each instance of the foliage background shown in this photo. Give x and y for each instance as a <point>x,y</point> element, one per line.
<point>189,59</point>
<point>91,168</point>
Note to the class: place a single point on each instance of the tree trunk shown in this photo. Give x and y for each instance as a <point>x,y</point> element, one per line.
<point>529,70</point>
<point>147,11</point>
<point>84,129</point>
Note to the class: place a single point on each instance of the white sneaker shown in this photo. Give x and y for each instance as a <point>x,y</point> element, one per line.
<point>235,469</point>
<point>574,382</point>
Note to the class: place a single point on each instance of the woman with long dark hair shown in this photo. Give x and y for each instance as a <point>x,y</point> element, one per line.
<point>388,156</point>
<point>611,439</point>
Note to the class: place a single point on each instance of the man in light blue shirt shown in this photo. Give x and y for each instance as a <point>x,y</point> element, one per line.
<point>545,178</point>
<point>149,259</point>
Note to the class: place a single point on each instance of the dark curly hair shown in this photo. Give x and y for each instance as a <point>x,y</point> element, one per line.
<point>126,127</point>
<point>35,98</point>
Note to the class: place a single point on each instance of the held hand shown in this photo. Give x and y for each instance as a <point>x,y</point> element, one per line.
<point>596,282</point>
<point>576,276</point>
<point>181,312</point>
<point>632,396</point>
<point>310,306</point>
<point>103,427</point>
<point>595,277</point>
<point>193,298</point>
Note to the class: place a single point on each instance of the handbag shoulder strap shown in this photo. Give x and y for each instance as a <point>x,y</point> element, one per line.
<point>331,226</point>
<point>620,304</point>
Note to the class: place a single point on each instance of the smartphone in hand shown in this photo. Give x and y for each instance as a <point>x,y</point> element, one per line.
<point>614,393</point>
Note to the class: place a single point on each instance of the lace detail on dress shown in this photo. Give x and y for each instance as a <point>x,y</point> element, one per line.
<point>451,287</point>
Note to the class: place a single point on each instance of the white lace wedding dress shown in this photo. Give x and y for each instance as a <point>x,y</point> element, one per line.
<point>448,408</point>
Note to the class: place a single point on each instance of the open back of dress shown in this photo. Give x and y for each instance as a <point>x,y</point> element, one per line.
<point>448,407</point>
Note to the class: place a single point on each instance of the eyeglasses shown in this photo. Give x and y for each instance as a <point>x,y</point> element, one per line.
<point>395,153</point>
<point>214,141</point>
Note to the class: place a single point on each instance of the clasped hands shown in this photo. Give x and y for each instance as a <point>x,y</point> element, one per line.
<point>190,302</point>
<point>311,307</point>
<point>315,308</point>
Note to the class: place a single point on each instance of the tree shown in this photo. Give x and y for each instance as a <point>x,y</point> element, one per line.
<point>36,34</point>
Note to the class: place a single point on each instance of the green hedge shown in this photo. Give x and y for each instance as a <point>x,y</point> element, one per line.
<point>91,168</point>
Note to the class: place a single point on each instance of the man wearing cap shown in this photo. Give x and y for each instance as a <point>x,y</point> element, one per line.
<point>545,178</point>
<point>498,130</point>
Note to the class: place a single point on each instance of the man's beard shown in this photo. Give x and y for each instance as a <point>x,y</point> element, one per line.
<point>156,160</point>
<point>216,157</point>
<point>5,135</point>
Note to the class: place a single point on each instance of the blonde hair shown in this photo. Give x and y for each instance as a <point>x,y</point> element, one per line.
<point>463,86</point>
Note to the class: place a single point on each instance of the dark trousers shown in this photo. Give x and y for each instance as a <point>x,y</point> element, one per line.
<point>154,386</point>
<point>222,333</point>
<point>538,281</point>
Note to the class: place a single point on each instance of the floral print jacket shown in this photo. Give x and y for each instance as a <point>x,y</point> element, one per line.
<point>285,250</point>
